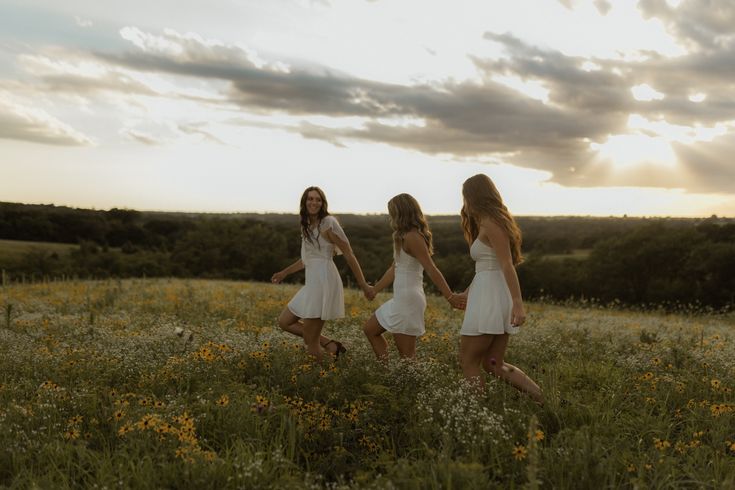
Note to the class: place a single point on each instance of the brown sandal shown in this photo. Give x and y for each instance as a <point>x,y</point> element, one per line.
<point>340,348</point>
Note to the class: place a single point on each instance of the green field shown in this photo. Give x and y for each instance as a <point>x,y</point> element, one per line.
<point>13,251</point>
<point>189,384</point>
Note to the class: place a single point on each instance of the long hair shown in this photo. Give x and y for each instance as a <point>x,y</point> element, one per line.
<point>482,199</point>
<point>304,214</point>
<point>405,214</point>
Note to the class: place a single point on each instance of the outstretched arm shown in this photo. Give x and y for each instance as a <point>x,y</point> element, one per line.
<point>346,249</point>
<point>415,245</point>
<point>500,242</point>
<point>281,275</point>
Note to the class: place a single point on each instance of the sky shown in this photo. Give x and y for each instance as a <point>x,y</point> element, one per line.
<point>572,107</point>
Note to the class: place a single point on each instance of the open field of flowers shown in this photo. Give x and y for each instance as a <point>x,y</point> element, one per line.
<point>176,384</point>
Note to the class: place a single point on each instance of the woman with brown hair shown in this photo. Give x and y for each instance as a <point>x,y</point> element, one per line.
<point>322,297</point>
<point>403,316</point>
<point>494,303</point>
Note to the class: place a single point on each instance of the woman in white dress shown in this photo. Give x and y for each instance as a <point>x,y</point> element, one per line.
<point>494,303</point>
<point>403,316</point>
<point>322,297</point>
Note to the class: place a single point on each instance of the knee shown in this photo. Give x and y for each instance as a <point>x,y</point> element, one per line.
<point>369,328</point>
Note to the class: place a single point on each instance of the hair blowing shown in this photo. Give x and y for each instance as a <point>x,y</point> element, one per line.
<point>405,215</point>
<point>304,213</point>
<point>482,199</point>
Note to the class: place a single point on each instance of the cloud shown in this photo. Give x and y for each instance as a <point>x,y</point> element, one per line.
<point>481,119</point>
<point>141,137</point>
<point>196,129</point>
<point>19,122</point>
<point>702,24</point>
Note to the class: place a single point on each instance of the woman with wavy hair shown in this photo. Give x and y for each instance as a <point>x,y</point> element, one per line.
<point>322,297</point>
<point>403,316</point>
<point>494,303</point>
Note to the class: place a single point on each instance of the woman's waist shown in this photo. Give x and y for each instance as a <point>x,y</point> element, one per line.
<point>486,265</point>
<point>316,258</point>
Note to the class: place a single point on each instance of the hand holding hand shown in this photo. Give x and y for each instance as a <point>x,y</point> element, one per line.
<point>278,277</point>
<point>369,292</point>
<point>458,301</point>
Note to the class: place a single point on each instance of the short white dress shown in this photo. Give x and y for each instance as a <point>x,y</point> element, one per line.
<point>405,312</point>
<point>322,295</point>
<point>489,303</point>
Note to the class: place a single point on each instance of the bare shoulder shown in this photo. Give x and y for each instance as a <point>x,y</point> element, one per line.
<point>490,226</point>
<point>414,242</point>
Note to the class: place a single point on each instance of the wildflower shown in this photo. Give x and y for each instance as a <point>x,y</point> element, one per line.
<point>76,420</point>
<point>261,404</point>
<point>520,452</point>
<point>631,468</point>
<point>118,415</point>
<point>539,435</point>
<point>223,401</point>
<point>124,429</point>
<point>661,444</point>
<point>158,404</point>
<point>656,361</point>
<point>72,434</point>
<point>715,384</point>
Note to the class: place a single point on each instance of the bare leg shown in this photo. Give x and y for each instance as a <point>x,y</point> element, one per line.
<point>312,333</point>
<point>406,345</point>
<point>493,362</point>
<point>472,350</point>
<point>294,325</point>
<point>374,333</point>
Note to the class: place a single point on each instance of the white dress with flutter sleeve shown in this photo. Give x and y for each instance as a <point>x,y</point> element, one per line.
<point>322,295</point>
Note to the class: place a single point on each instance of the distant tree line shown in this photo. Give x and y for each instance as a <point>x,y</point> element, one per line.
<point>630,261</point>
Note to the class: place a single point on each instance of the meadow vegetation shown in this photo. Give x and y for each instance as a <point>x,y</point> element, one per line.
<point>189,383</point>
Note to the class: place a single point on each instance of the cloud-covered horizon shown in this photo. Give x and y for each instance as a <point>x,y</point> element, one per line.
<point>527,105</point>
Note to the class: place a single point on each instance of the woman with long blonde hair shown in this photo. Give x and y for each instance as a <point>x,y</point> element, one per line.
<point>403,316</point>
<point>494,303</point>
<point>322,297</point>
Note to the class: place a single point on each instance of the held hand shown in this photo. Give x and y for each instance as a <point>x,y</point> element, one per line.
<point>278,277</point>
<point>518,315</point>
<point>369,292</point>
<point>458,301</point>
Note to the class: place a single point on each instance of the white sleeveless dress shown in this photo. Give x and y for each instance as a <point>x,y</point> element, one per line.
<point>489,303</point>
<point>322,295</point>
<point>405,312</point>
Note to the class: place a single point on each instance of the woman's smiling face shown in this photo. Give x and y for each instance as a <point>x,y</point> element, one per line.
<point>313,202</point>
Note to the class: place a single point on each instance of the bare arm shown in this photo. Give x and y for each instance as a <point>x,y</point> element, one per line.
<point>387,278</point>
<point>346,249</point>
<point>281,275</point>
<point>499,241</point>
<point>415,245</point>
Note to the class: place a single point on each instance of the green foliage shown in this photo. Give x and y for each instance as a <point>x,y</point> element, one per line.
<point>670,263</point>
